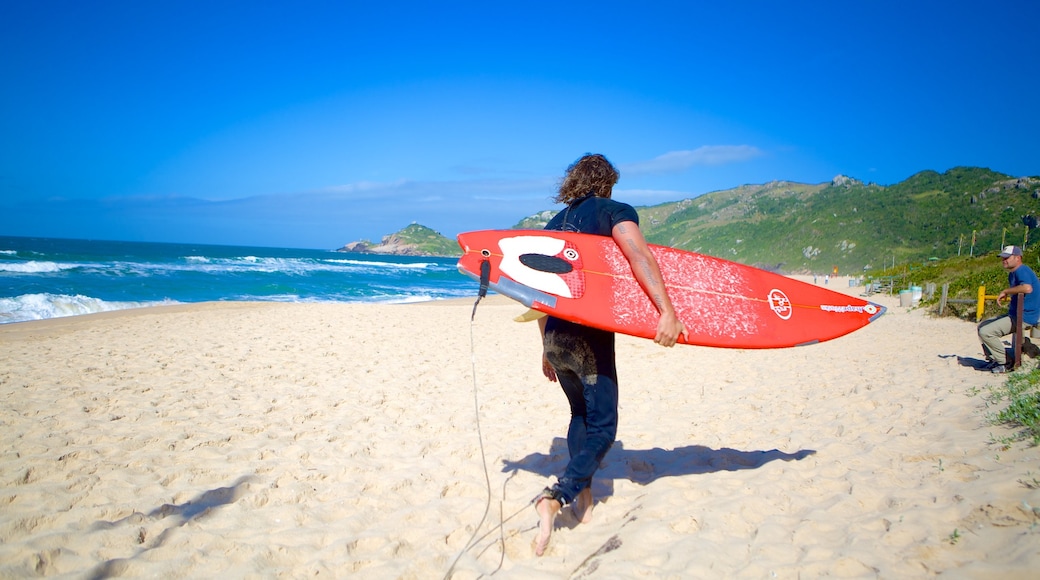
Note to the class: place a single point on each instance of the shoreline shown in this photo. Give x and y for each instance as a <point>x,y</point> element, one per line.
<point>260,438</point>
<point>839,284</point>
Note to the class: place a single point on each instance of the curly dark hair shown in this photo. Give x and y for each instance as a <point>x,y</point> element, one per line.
<point>590,174</point>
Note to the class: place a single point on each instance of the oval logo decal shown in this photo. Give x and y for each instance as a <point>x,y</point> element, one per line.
<point>779,304</point>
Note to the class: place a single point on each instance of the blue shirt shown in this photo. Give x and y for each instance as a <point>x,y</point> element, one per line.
<point>1031,307</point>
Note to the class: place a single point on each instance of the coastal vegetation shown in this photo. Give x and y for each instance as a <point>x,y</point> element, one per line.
<point>963,275</point>
<point>851,225</point>
<point>1017,404</point>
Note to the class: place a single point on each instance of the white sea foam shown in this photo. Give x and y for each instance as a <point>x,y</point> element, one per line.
<point>299,265</point>
<point>411,299</point>
<point>42,306</point>
<point>373,264</point>
<point>246,264</point>
<point>34,267</point>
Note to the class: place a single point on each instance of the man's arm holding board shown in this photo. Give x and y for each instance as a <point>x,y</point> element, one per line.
<point>633,245</point>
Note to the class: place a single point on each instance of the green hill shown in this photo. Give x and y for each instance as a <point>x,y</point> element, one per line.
<point>805,228</point>
<point>847,224</point>
<point>413,240</point>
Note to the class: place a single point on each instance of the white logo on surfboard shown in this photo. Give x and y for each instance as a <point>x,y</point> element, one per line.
<point>779,304</point>
<point>567,285</point>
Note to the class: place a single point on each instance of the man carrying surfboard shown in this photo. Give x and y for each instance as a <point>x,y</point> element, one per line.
<point>1022,285</point>
<point>581,358</point>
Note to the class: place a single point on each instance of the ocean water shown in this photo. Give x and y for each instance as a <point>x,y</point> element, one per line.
<point>47,277</point>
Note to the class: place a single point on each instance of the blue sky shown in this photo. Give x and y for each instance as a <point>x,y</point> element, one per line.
<point>312,124</point>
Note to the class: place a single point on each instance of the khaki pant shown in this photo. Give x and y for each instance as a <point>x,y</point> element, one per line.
<point>992,332</point>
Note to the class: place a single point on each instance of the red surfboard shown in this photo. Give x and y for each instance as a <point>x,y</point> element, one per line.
<point>586,279</point>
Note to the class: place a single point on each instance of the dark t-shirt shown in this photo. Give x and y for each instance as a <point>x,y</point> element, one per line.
<point>593,215</point>
<point>569,345</point>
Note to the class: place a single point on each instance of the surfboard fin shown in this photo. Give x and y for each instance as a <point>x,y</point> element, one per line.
<point>530,315</point>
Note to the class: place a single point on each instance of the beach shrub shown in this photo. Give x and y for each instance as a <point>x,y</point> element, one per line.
<point>1021,392</point>
<point>964,275</point>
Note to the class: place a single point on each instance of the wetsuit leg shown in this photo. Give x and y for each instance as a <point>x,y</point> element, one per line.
<point>584,363</point>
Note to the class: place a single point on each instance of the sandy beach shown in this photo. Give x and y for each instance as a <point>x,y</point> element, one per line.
<point>268,440</point>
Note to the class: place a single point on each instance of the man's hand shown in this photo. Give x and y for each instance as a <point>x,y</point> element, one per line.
<point>547,369</point>
<point>669,328</point>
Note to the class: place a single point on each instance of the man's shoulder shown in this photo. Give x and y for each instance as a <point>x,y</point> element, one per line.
<point>602,202</point>
<point>619,209</point>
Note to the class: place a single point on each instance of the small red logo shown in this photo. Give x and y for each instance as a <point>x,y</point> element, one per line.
<point>779,304</point>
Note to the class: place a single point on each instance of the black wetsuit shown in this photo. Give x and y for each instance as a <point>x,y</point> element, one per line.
<point>583,358</point>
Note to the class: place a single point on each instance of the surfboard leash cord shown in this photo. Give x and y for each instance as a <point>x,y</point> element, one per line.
<point>485,276</point>
<point>485,280</point>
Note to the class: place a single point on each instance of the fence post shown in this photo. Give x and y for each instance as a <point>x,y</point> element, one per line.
<point>1018,332</point>
<point>942,300</point>
<point>982,304</point>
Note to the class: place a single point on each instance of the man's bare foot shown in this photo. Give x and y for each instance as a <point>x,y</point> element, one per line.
<point>582,506</point>
<point>547,509</point>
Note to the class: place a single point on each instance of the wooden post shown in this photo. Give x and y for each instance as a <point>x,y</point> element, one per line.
<point>982,304</point>
<point>1017,361</point>
<point>942,300</point>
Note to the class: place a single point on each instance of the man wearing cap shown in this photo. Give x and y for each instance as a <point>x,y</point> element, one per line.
<point>1021,283</point>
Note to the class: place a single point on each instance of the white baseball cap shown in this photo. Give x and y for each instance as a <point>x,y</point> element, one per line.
<point>1011,251</point>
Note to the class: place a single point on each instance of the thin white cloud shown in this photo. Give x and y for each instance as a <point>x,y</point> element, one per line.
<point>675,161</point>
<point>365,186</point>
<point>409,190</point>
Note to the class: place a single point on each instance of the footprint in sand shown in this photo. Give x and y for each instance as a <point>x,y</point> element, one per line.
<point>686,525</point>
